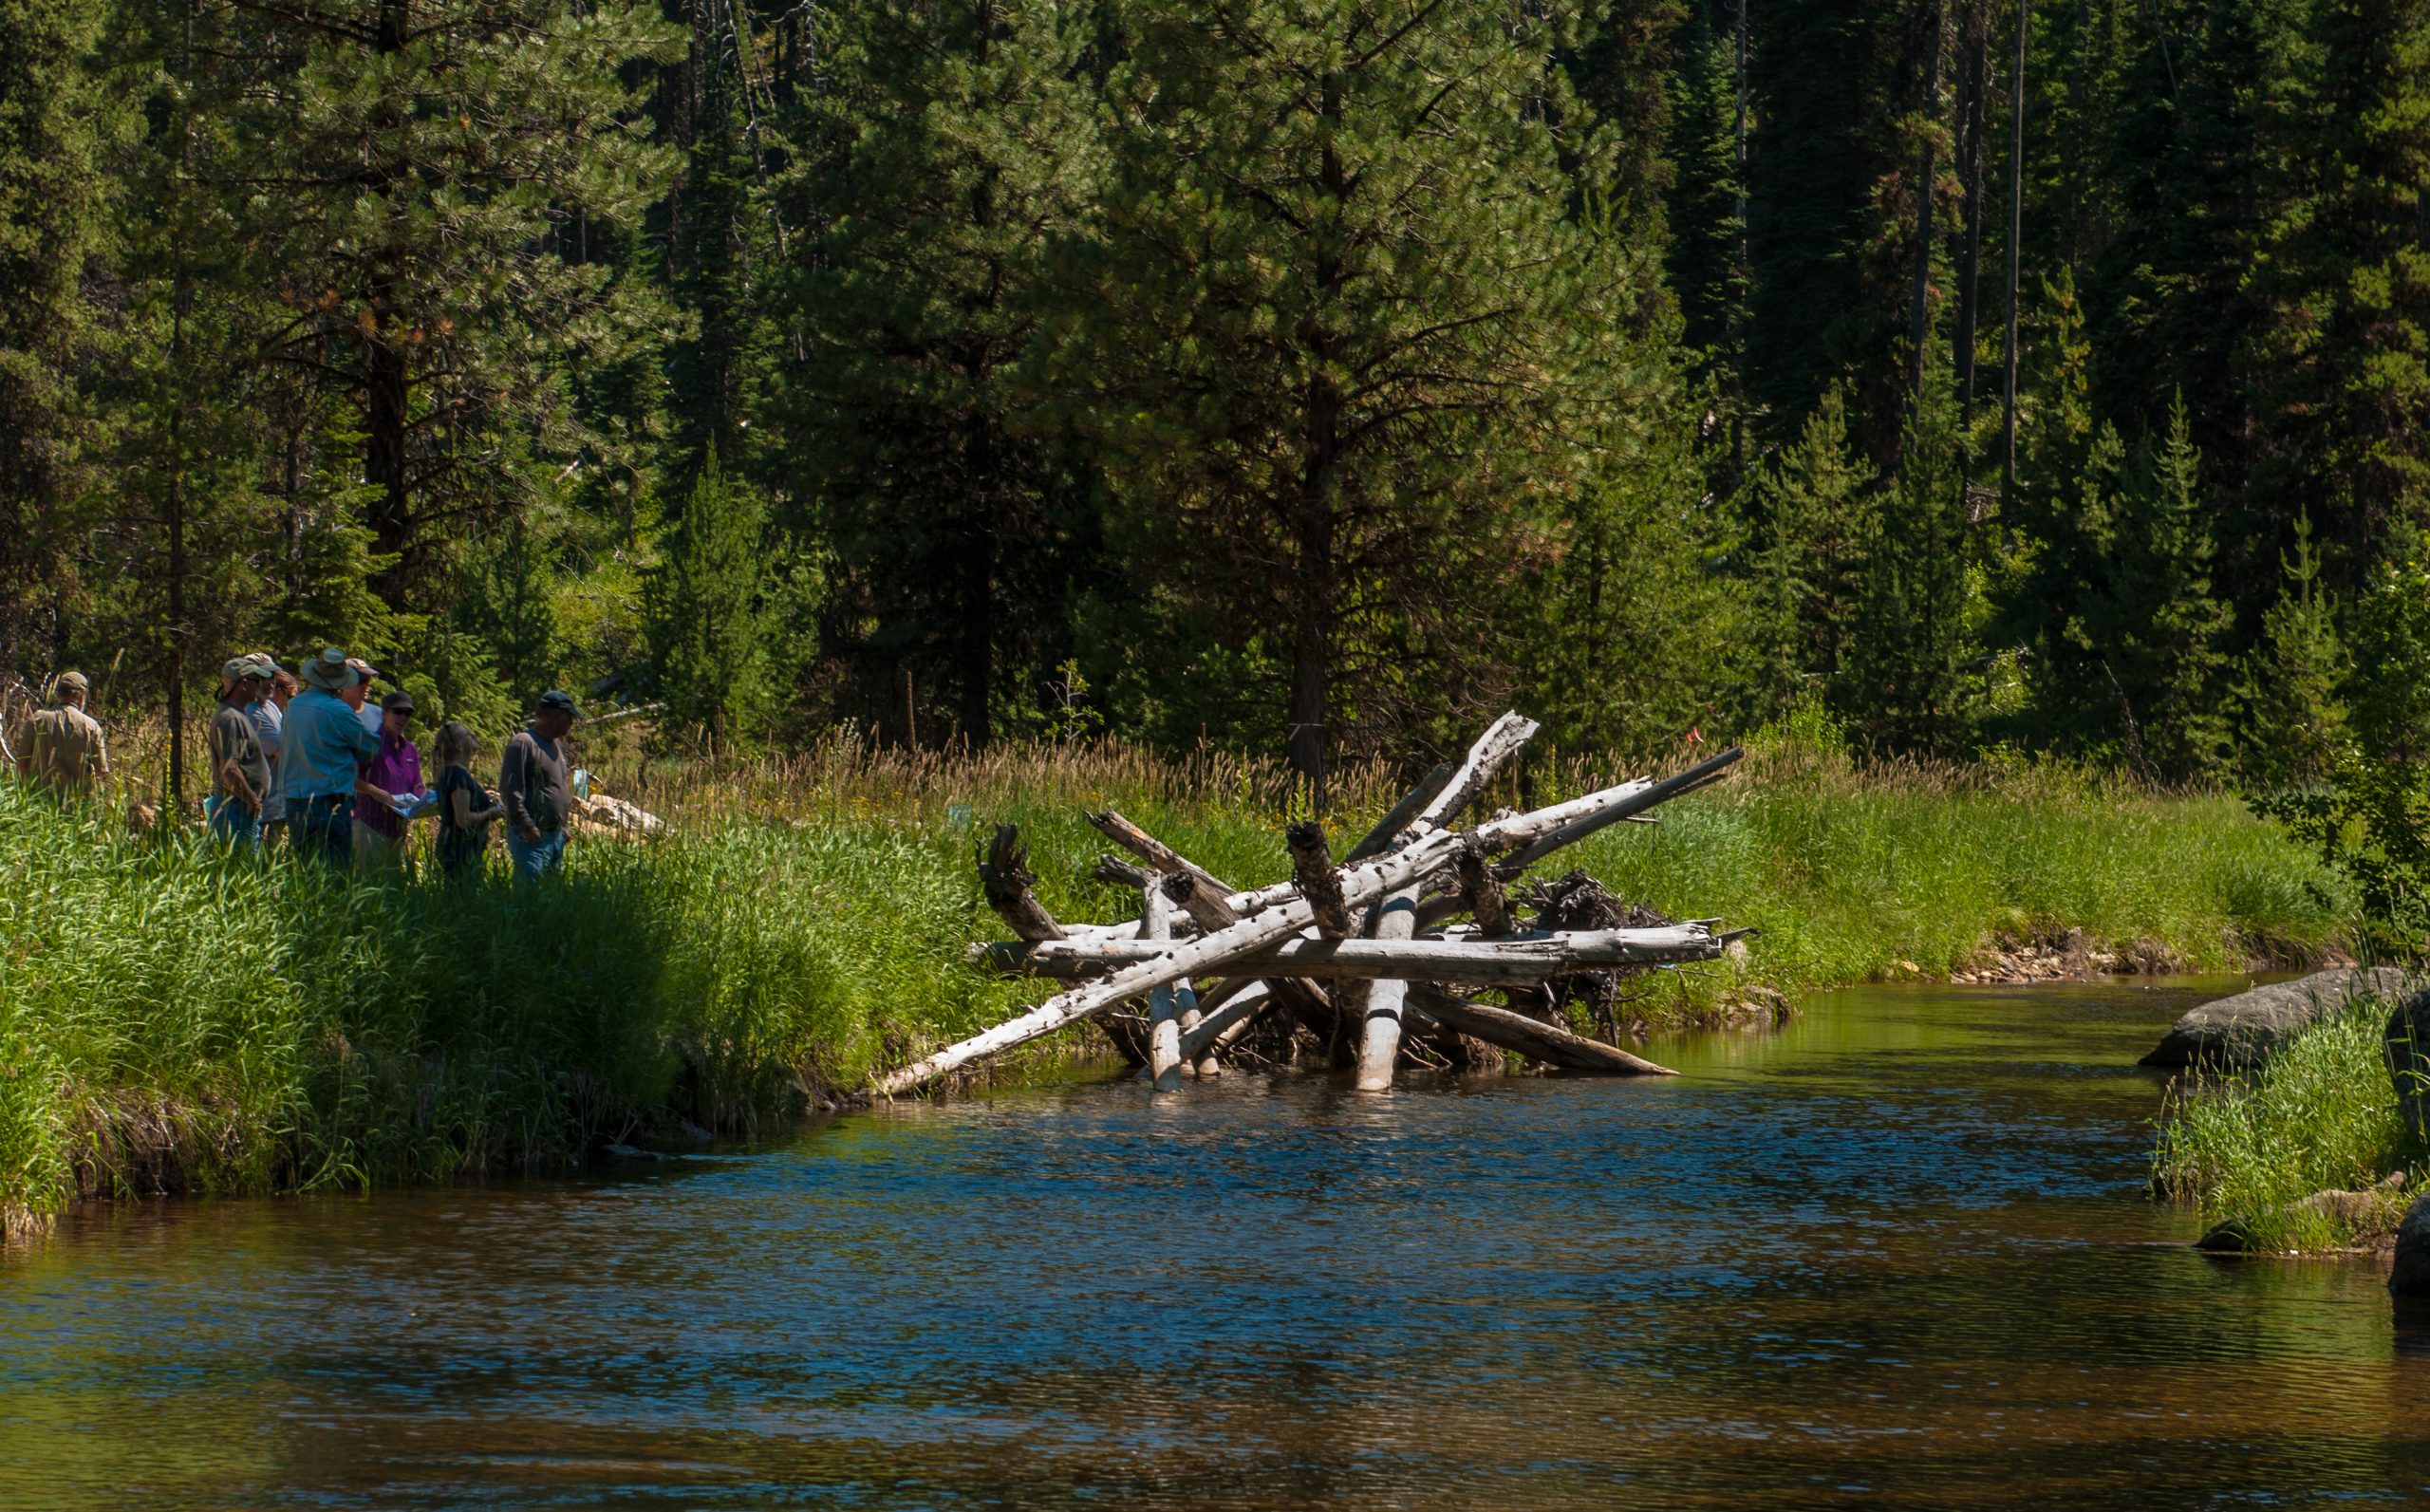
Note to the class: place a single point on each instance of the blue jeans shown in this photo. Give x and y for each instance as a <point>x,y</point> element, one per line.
<point>323,826</point>
<point>235,823</point>
<point>535,859</point>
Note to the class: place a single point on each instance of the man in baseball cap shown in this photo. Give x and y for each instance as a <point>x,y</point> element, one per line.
<point>532,783</point>
<point>65,749</point>
<point>239,767</point>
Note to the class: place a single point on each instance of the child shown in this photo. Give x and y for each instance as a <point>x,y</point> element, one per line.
<point>465,808</point>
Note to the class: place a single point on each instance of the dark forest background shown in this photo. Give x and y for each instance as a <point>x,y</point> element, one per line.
<point>1299,375</point>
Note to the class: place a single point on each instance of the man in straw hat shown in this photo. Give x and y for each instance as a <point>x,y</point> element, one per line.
<point>64,747</point>
<point>239,767</point>
<point>319,751</point>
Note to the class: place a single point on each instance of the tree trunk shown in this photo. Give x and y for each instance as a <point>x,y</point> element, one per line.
<point>2016,233</point>
<point>1919,316</point>
<point>1974,120</point>
<point>1379,1044</point>
<point>387,385</point>
<point>1314,588</point>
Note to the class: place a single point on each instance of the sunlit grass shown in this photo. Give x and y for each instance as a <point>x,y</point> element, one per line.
<point>2320,1114</point>
<point>171,1016</point>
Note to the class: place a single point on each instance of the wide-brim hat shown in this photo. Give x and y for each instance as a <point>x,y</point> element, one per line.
<point>330,671</point>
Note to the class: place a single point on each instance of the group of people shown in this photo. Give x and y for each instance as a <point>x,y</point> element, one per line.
<point>342,774</point>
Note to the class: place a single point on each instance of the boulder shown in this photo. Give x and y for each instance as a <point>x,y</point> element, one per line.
<point>2239,1030</point>
<point>2411,1274</point>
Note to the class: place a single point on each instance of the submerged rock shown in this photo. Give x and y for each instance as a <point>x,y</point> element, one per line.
<point>2364,1218</point>
<point>2244,1028</point>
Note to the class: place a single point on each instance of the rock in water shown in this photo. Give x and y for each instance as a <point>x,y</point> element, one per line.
<point>2411,1274</point>
<point>2246,1028</point>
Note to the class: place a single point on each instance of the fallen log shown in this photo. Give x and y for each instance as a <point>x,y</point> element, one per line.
<point>1217,1019</point>
<point>1154,851</point>
<point>1361,884</point>
<point>1379,839</point>
<point>1512,960</point>
<point>1524,1036</point>
<point>1312,867</point>
<point>1164,1011</point>
<point>1703,774</point>
<point>1379,1044</point>
<point>1005,877</point>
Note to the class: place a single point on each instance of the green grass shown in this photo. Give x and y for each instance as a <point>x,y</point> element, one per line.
<point>172,1018</point>
<point>2320,1114</point>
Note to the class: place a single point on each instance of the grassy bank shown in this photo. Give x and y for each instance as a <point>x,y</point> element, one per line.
<point>170,1019</point>
<point>2320,1115</point>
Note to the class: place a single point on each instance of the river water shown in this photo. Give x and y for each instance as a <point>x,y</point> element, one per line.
<point>1896,1255</point>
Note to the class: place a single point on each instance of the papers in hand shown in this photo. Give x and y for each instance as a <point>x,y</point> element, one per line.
<point>414,805</point>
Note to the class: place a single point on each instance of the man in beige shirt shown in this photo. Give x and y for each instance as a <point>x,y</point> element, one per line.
<point>64,748</point>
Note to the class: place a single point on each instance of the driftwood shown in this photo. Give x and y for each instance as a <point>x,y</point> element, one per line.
<point>1379,1044</point>
<point>1313,866</point>
<point>1534,955</point>
<point>1267,948</point>
<point>1005,877</point>
<point>1524,1036</point>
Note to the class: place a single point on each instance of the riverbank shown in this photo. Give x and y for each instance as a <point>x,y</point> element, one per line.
<point>2304,1153</point>
<point>171,1020</point>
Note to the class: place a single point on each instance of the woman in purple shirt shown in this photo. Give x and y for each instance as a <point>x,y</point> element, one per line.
<point>379,828</point>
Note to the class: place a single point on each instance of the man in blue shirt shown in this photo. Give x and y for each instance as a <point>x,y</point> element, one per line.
<point>318,753</point>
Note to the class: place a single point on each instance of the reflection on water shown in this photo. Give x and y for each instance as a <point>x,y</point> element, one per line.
<point>1895,1256</point>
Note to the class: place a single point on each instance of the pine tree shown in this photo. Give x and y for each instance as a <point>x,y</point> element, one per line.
<point>1706,251</point>
<point>1335,340</point>
<point>1904,683</point>
<point>1814,521</point>
<point>52,220</point>
<point>708,605</point>
<point>417,179</point>
<point>2288,695</point>
<point>949,145</point>
<point>2155,628</point>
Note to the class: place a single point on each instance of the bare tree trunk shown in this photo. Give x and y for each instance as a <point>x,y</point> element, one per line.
<point>1919,316</point>
<point>1973,122</point>
<point>2016,233</point>
<point>1314,590</point>
<point>388,401</point>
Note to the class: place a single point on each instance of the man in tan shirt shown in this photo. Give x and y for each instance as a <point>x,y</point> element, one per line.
<point>64,748</point>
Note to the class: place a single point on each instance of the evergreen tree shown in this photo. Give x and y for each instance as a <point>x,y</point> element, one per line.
<point>2288,693</point>
<point>53,219</point>
<point>2155,629</point>
<point>949,145</point>
<point>710,617</point>
<point>1904,683</point>
<point>1336,343</point>
<point>1707,261</point>
<point>1814,509</point>
<point>415,177</point>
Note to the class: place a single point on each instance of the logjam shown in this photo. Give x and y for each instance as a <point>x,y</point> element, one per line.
<point>1377,924</point>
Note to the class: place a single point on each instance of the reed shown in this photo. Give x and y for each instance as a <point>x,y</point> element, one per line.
<point>2319,1114</point>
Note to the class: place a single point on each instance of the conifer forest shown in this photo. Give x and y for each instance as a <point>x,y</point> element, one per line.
<point>1305,376</point>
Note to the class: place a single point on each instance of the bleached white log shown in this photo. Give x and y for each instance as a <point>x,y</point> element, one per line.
<point>1362,885</point>
<point>1379,1042</point>
<point>1513,959</point>
<point>1164,1009</point>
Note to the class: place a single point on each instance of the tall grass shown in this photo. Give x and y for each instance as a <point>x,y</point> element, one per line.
<point>2320,1114</point>
<point>173,1016</point>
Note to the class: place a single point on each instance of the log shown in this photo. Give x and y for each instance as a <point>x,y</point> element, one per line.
<point>1312,865</point>
<point>1206,904</point>
<point>1004,875</point>
<point>1379,1044</point>
<point>1703,774</point>
<point>1231,1004</point>
<point>1115,873</point>
<point>1360,885</point>
<point>1484,762</point>
<point>1154,851</point>
<point>1381,838</point>
<point>1523,1036</point>
<point>1515,960</point>
<point>1481,891</point>
<point>1164,1011</point>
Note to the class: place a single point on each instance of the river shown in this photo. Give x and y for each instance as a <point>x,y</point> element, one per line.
<point>1896,1255</point>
